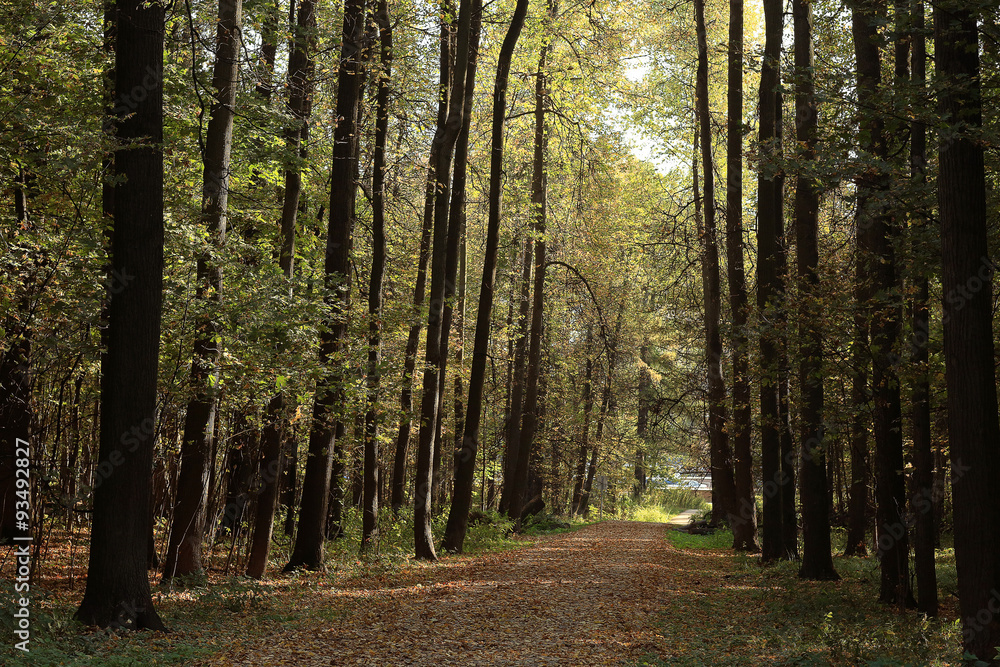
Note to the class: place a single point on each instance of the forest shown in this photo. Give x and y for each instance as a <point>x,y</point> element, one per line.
<point>299,290</point>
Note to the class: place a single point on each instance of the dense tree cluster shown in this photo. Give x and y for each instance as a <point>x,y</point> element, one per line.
<point>268,266</point>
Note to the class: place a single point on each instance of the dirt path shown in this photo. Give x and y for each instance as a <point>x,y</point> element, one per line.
<point>587,597</point>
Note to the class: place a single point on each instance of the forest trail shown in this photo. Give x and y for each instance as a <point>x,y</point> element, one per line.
<point>588,597</point>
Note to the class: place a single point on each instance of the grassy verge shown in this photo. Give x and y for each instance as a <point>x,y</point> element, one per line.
<point>733,611</point>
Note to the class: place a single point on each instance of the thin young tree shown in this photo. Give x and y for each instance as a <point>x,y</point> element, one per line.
<point>723,483</point>
<point>187,531</point>
<point>310,537</point>
<point>465,459</point>
<point>370,500</point>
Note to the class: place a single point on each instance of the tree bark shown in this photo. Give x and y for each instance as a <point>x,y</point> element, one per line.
<point>921,503</point>
<point>966,276</point>
<point>187,530</point>
<point>539,184</point>
<point>311,535</point>
<point>370,500</point>
<point>398,483</point>
<point>117,593</point>
<point>770,286</point>
<point>723,483</point>
<point>588,409</point>
<point>745,518</point>
<point>516,411</point>
<point>437,343</point>
<point>473,418</point>
<point>817,558</point>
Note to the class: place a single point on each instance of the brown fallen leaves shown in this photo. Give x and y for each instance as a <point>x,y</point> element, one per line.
<point>588,597</point>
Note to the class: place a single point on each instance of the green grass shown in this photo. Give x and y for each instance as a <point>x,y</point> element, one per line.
<point>735,612</point>
<point>661,505</point>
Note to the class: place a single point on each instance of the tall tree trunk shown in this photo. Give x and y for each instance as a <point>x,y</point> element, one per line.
<point>745,518</point>
<point>370,501</point>
<point>642,422</point>
<point>466,458</point>
<point>723,483</point>
<point>187,531</point>
<point>117,593</point>
<point>817,557</point>
<point>875,231</point>
<point>770,285</point>
<point>398,483</point>
<point>857,520</point>
<point>463,470</point>
<point>588,409</point>
<point>267,498</point>
<point>515,413</point>
<point>539,184</point>
<point>921,504</point>
<point>437,343</point>
<point>970,375</point>
<point>311,535</point>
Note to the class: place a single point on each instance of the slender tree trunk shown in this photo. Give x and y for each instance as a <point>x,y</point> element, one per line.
<point>723,483</point>
<point>876,232</point>
<point>745,517</point>
<point>588,408</point>
<point>817,557</point>
<point>187,531</point>
<point>117,593</point>
<point>311,535</point>
<point>921,503</point>
<point>398,483</point>
<point>769,286</point>
<point>464,467</point>
<point>966,276</point>
<point>370,501</point>
<point>465,459</point>
<point>515,413</point>
<point>539,184</point>
<point>437,344</point>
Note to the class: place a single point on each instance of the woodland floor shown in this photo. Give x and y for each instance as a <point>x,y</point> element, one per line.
<point>589,597</point>
<point>630,594</point>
